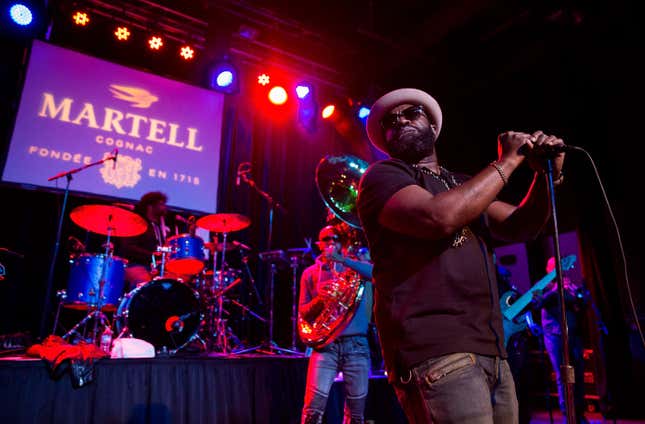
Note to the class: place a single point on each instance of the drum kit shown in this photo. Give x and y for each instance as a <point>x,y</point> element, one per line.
<point>167,312</point>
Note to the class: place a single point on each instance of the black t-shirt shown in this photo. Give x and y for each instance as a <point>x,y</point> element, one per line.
<point>430,298</point>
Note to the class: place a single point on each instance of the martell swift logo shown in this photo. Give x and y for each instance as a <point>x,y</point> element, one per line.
<point>126,174</point>
<point>137,97</point>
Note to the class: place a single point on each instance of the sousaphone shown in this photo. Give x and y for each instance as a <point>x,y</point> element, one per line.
<point>337,179</point>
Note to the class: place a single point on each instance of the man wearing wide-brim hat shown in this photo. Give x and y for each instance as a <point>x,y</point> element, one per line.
<point>436,305</point>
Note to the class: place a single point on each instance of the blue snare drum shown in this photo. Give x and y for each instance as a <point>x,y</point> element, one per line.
<point>186,254</point>
<point>84,278</point>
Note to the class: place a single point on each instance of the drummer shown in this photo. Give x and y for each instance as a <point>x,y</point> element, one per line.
<point>140,249</point>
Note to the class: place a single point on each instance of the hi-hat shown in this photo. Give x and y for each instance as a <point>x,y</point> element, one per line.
<point>105,219</point>
<point>223,222</point>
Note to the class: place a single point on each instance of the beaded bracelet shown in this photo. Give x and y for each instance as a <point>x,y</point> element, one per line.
<point>500,171</point>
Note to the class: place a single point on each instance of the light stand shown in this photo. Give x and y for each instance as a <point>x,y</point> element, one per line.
<point>52,263</point>
<point>567,373</point>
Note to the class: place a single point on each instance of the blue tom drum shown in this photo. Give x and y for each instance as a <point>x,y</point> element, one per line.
<point>186,254</point>
<point>83,285</point>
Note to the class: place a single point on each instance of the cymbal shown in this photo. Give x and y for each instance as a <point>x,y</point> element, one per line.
<point>101,218</point>
<point>223,222</point>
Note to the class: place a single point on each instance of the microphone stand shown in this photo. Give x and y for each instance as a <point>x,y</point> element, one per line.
<point>269,346</point>
<point>61,217</point>
<point>273,205</point>
<point>567,374</point>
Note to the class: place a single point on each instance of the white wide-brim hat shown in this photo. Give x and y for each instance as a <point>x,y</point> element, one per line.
<point>395,98</point>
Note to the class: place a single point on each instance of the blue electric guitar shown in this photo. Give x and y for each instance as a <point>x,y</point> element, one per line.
<point>510,311</point>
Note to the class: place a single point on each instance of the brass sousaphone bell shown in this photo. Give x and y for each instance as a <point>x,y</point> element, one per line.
<point>337,179</point>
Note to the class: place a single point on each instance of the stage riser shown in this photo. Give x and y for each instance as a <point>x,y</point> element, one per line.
<point>204,390</point>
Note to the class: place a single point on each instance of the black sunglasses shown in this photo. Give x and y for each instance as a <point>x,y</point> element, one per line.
<point>411,113</point>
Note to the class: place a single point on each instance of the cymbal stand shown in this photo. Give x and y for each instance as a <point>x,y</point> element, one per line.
<point>97,313</point>
<point>52,263</point>
<point>219,326</point>
<point>164,250</point>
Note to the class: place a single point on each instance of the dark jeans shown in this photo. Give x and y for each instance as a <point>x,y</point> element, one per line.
<point>349,355</point>
<point>459,388</point>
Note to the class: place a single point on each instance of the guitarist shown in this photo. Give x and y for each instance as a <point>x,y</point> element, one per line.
<point>574,303</point>
<point>517,347</point>
<point>349,352</point>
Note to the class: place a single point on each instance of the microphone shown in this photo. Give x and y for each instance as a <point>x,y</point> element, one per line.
<point>239,245</point>
<point>242,169</point>
<point>115,157</point>
<point>550,151</point>
<point>182,219</point>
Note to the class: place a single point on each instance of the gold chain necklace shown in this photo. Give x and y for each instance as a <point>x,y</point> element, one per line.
<point>462,235</point>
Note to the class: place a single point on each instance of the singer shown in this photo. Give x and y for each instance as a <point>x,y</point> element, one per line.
<point>436,308</point>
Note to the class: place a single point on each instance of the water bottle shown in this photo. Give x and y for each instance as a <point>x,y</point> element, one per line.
<point>106,340</point>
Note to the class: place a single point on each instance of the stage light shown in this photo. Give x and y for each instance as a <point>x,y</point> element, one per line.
<point>21,14</point>
<point>302,91</point>
<point>278,95</point>
<point>328,111</point>
<point>81,18</point>
<point>187,53</point>
<point>263,79</point>
<point>122,33</point>
<point>363,112</point>
<point>155,42</point>
<point>224,77</point>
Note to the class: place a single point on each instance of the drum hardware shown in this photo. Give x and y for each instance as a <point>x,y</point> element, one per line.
<point>161,251</point>
<point>61,295</point>
<point>109,221</point>
<point>222,223</point>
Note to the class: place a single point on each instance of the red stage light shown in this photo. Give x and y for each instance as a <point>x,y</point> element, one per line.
<point>187,53</point>
<point>328,111</point>
<point>81,18</point>
<point>155,42</point>
<point>278,95</point>
<point>263,79</point>
<point>122,33</point>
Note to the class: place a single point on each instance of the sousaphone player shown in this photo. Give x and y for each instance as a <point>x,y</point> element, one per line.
<point>334,313</point>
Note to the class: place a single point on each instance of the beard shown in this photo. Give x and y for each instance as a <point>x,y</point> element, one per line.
<point>412,147</point>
